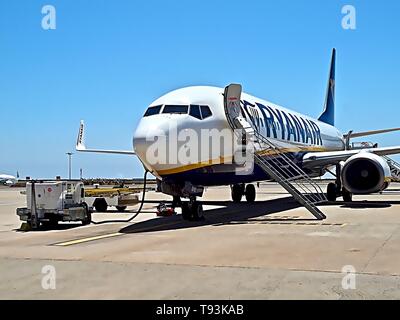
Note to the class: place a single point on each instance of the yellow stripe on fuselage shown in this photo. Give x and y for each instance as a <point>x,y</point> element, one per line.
<point>222,160</point>
<point>193,166</point>
<point>289,150</point>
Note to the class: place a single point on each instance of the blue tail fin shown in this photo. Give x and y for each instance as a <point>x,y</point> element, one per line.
<point>328,116</point>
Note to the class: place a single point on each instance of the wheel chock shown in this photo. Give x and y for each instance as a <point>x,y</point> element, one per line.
<point>25,226</point>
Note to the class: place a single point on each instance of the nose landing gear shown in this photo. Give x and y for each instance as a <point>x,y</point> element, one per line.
<point>192,210</point>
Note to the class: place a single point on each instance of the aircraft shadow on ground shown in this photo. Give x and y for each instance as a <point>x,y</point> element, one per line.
<point>229,213</point>
<point>243,213</point>
<point>367,204</point>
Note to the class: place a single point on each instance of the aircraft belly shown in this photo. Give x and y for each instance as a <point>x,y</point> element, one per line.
<point>214,176</point>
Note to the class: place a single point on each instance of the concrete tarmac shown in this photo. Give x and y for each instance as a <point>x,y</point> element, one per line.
<point>272,249</point>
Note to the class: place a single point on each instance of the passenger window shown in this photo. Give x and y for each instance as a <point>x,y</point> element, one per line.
<point>205,111</point>
<point>151,111</point>
<point>195,111</point>
<point>176,109</point>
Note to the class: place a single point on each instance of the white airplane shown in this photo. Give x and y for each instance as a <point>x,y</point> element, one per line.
<point>315,145</point>
<point>7,180</point>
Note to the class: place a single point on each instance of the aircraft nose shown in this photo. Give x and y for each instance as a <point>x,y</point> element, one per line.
<point>148,141</point>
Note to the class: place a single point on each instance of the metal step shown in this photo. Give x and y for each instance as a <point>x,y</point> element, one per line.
<point>279,166</point>
<point>302,193</point>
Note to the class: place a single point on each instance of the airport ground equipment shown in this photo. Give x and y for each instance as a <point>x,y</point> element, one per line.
<point>136,213</point>
<point>279,166</point>
<point>120,198</point>
<point>163,210</point>
<point>53,201</point>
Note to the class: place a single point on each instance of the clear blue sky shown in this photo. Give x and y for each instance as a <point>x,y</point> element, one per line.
<point>107,60</point>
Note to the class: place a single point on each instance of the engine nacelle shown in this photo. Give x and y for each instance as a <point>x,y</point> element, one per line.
<point>365,173</point>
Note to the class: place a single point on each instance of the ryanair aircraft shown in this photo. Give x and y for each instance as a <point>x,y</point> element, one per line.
<point>7,179</point>
<point>179,139</point>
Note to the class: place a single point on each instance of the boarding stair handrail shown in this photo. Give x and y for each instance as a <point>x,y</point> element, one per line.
<point>284,171</point>
<point>297,175</point>
<point>290,176</point>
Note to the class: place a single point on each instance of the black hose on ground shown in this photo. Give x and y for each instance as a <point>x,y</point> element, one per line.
<point>136,213</point>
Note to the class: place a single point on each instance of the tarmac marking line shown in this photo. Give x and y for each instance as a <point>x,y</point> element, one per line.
<point>78,241</point>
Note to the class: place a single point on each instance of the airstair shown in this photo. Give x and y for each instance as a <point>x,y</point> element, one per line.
<point>276,164</point>
<point>394,168</point>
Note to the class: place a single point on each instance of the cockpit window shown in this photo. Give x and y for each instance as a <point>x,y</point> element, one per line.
<point>195,111</point>
<point>151,111</point>
<point>205,111</point>
<point>180,109</point>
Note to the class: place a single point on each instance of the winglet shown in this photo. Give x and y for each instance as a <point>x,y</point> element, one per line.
<point>328,115</point>
<point>80,143</point>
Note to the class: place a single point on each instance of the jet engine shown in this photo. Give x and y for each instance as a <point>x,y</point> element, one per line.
<point>365,173</point>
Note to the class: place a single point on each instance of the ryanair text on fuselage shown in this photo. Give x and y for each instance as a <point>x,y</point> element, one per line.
<point>283,125</point>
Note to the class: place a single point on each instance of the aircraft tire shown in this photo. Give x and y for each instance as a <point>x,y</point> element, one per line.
<point>331,192</point>
<point>186,214</point>
<point>192,211</point>
<point>347,195</point>
<point>197,212</point>
<point>237,193</point>
<point>250,193</point>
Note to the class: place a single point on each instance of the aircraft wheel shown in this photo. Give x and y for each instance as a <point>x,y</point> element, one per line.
<point>331,192</point>
<point>197,212</point>
<point>186,214</point>
<point>237,191</point>
<point>347,195</point>
<point>192,211</point>
<point>250,193</point>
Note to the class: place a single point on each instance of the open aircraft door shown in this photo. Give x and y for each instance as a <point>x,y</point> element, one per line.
<point>243,130</point>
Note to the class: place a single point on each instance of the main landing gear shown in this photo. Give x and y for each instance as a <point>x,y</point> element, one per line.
<point>336,190</point>
<point>192,210</point>
<point>239,190</point>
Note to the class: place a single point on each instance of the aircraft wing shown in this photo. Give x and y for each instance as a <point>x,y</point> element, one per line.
<point>369,133</point>
<point>320,159</point>
<point>80,144</point>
